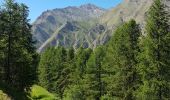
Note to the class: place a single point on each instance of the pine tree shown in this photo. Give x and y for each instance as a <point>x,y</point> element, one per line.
<point>82,56</point>
<point>95,74</point>
<point>2,45</point>
<point>155,54</point>
<point>19,53</point>
<point>55,69</point>
<point>122,62</point>
<point>70,65</point>
<point>46,64</point>
<point>76,89</point>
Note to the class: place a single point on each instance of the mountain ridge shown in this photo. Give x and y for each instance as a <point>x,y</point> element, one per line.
<point>50,20</point>
<point>90,30</point>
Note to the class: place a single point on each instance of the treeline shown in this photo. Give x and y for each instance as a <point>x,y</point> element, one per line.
<point>132,66</point>
<point>18,57</point>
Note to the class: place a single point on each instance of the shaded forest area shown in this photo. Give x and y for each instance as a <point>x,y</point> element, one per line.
<point>131,66</point>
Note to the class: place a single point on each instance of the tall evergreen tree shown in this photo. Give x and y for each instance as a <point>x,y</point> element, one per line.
<point>155,55</point>
<point>76,89</point>
<point>55,68</point>
<point>46,64</point>
<point>121,56</point>
<point>18,50</point>
<point>95,74</point>
<point>82,56</point>
<point>70,65</point>
<point>2,45</point>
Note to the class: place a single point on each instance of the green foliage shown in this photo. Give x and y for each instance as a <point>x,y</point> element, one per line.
<point>39,93</point>
<point>18,56</point>
<point>12,92</point>
<point>59,69</point>
<point>55,68</point>
<point>109,97</point>
<point>121,59</point>
<point>82,56</point>
<point>94,74</point>
<point>154,57</point>
<point>75,92</point>
<point>34,93</point>
<point>122,70</point>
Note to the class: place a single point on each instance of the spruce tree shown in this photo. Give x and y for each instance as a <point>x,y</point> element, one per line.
<point>76,89</point>
<point>122,62</point>
<point>155,55</point>
<point>94,75</point>
<point>18,48</point>
<point>2,45</point>
<point>82,56</point>
<point>46,64</point>
<point>55,69</point>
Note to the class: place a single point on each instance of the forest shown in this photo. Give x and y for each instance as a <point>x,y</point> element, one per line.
<point>133,65</point>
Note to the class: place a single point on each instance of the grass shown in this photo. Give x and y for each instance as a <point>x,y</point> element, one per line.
<point>4,96</point>
<point>35,93</point>
<point>39,93</point>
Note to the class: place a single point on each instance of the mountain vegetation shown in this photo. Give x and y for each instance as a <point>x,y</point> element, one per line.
<point>132,65</point>
<point>18,56</point>
<point>154,56</point>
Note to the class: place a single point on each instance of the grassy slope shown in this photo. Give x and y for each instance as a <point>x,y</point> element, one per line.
<point>125,11</point>
<point>39,93</point>
<point>36,93</point>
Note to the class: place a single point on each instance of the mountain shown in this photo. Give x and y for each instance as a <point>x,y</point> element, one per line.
<point>51,20</point>
<point>87,25</point>
<point>128,9</point>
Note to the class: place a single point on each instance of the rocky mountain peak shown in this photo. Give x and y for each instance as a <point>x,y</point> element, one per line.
<point>49,21</point>
<point>90,6</point>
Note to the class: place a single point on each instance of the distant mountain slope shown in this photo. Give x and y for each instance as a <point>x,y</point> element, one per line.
<point>87,25</point>
<point>74,34</point>
<point>128,9</point>
<point>47,23</point>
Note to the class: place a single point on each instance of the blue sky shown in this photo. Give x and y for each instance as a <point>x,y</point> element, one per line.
<point>36,7</point>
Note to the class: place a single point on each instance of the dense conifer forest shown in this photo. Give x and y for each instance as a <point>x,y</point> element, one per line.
<point>133,65</point>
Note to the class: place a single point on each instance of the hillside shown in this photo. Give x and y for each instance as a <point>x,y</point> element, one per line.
<point>87,25</point>
<point>49,21</point>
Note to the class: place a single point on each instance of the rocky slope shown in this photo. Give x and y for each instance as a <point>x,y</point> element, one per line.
<point>87,25</point>
<point>128,9</point>
<point>47,23</point>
